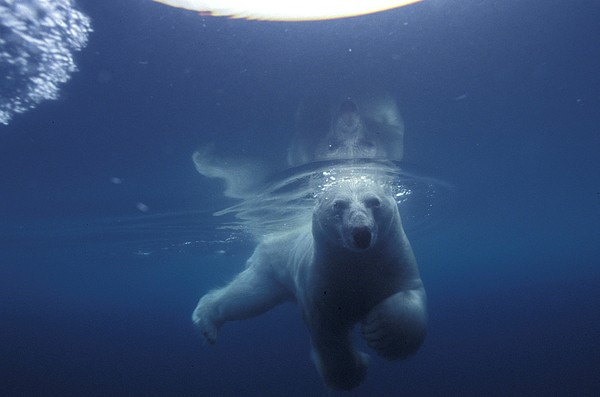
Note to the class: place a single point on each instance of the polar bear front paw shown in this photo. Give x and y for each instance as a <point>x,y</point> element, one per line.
<point>396,327</point>
<point>204,322</point>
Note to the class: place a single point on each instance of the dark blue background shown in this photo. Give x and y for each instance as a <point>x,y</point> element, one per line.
<point>502,99</point>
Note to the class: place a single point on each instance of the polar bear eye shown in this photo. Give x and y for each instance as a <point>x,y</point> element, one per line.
<point>372,202</point>
<point>340,205</point>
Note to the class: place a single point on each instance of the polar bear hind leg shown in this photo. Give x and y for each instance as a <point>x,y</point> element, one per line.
<point>340,365</point>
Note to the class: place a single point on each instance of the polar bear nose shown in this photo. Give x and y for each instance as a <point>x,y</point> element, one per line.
<point>362,237</point>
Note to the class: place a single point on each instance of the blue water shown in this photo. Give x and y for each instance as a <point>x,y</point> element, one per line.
<point>107,238</point>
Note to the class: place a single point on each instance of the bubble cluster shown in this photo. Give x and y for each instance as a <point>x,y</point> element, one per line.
<point>353,177</point>
<point>37,41</point>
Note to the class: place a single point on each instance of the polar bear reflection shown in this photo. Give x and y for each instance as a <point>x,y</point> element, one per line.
<point>367,126</point>
<point>347,137</point>
<point>348,262</point>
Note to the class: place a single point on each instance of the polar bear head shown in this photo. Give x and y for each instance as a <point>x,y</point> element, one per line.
<point>355,214</point>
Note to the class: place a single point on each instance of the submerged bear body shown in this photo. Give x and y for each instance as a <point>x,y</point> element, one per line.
<point>351,263</point>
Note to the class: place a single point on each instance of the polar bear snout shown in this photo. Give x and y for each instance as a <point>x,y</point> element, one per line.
<point>359,227</point>
<point>362,236</point>
<point>361,233</point>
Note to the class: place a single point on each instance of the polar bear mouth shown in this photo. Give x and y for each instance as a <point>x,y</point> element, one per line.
<point>361,236</point>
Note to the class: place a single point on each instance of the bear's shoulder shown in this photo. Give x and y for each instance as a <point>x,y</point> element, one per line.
<point>284,249</point>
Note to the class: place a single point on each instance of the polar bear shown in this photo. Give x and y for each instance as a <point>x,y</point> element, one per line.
<point>350,263</point>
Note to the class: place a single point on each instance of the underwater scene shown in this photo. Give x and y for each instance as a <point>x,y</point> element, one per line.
<point>299,198</point>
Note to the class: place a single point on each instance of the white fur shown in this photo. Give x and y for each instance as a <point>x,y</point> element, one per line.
<point>351,264</point>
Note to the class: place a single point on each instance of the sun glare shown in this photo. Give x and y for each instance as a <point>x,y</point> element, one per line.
<point>290,10</point>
